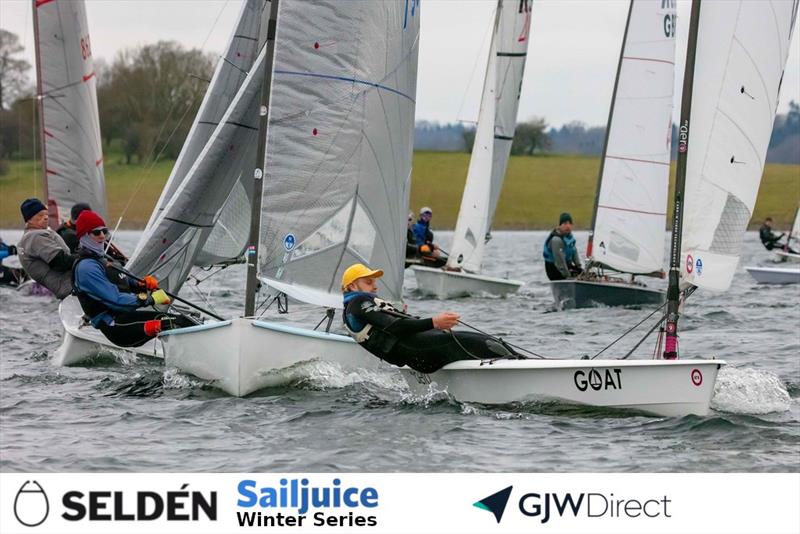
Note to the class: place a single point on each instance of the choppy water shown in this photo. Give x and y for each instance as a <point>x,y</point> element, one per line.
<point>125,414</point>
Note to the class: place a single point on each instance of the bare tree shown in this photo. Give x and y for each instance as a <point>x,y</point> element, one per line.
<point>13,71</point>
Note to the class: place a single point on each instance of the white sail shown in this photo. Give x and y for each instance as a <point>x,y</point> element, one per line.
<point>794,233</point>
<point>497,120</point>
<point>209,222</point>
<point>338,163</point>
<point>72,156</point>
<point>742,48</point>
<point>631,204</point>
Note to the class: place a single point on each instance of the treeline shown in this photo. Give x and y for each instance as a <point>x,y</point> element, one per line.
<point>149,95</point>
<point>532,137</point>
<point>147,99</point>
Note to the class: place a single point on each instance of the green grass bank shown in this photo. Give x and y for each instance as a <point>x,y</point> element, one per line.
<point>536,190</point>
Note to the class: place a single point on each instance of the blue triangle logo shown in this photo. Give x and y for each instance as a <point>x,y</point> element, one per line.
<point>495,503</point>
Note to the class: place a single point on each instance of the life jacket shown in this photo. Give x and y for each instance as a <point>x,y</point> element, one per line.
<point>570,249</point>
<point>367,334</point>
<point>90,305</point>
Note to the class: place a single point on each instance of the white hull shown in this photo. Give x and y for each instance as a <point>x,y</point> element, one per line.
<point>81,342</point>
<point>244,355</point>
<point>660,387</point>
<point>774,275</point>
<point>450,284</point>
<point>783,256</point>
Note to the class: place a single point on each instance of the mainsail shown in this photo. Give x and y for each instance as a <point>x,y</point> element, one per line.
<point>338,153</point>
<point>630,210</point>
<point>741,53</point>
<point>202,215</point>
<point>497,120</point>
<point>72,156</point>
<point>794,233</point>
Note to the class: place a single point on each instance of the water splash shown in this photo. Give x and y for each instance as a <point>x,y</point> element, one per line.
<point>749,391</point>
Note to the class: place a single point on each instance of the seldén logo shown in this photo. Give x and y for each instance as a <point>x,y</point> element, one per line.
<point>495,503</point>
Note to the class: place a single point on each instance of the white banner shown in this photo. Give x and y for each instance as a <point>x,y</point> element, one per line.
<point>399,503</point>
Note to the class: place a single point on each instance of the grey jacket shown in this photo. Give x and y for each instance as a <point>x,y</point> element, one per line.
<point>37,248</point>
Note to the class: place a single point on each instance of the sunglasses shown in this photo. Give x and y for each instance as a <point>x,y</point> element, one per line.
<point>99,231</point>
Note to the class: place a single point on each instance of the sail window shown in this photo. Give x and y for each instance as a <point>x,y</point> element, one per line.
<point>331,233</point>
<point>732,225</point>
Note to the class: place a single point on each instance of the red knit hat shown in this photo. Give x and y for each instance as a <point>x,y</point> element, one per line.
<point>88,221</point>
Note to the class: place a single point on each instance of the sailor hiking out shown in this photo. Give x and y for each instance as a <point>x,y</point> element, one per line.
<point>561,258</point>
<point>112,300</point>
<point>770,239</point>
<point>425,345</point>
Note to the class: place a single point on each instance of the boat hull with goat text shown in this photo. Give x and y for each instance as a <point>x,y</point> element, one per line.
<point>661,387</point>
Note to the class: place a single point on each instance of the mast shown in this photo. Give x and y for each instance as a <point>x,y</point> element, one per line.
<point>590,242</point>
<point>52,214</point>
<point>258,173</point>
<point>673,291</point>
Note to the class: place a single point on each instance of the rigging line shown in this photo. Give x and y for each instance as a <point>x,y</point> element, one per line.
<point>489,30</point>
<point>631,329</point>
<point>153,162</point>
<point>504,342</point>
<point>657,325</point>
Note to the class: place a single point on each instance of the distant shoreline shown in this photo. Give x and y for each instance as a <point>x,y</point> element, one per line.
<point>537,189</point>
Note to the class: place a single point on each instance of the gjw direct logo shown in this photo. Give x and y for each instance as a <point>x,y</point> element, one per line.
<point>32,505</point>
<point>551,505</point>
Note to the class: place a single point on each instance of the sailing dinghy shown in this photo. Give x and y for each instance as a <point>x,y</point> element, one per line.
<point>629,217</point>
<point>736,55</point>
<point>782,275</point>
<point>201,226</point>
<point>338,88</point>
<point>497,121</point>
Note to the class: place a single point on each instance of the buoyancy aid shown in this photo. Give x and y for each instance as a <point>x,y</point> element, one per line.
<point>365,333</point>
<point>90,305</point>
<point>570,249</point>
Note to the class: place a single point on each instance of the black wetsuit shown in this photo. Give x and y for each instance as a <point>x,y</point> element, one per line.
<point>770,240</point>
<point>401,339</point>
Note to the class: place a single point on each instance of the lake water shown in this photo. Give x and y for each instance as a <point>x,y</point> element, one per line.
<point>120,413</point>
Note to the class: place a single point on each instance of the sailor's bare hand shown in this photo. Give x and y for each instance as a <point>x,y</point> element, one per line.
<point>445,320</point>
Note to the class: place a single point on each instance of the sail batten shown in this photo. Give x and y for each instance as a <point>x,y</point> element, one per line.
<point>338,164</point>
<point>630,210</point>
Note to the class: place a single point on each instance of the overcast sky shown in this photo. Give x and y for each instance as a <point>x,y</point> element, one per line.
<point>569,74</point>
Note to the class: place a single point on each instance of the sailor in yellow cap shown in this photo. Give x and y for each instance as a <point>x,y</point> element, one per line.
<point>425,345</point>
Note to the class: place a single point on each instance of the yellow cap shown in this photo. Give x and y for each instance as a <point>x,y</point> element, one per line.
<point>356,271</point>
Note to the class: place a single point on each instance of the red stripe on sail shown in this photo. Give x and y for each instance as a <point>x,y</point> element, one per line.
<point>48,171</point>
<point>42,2</point>
<point>88,77</point>
<point>630,210</point>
